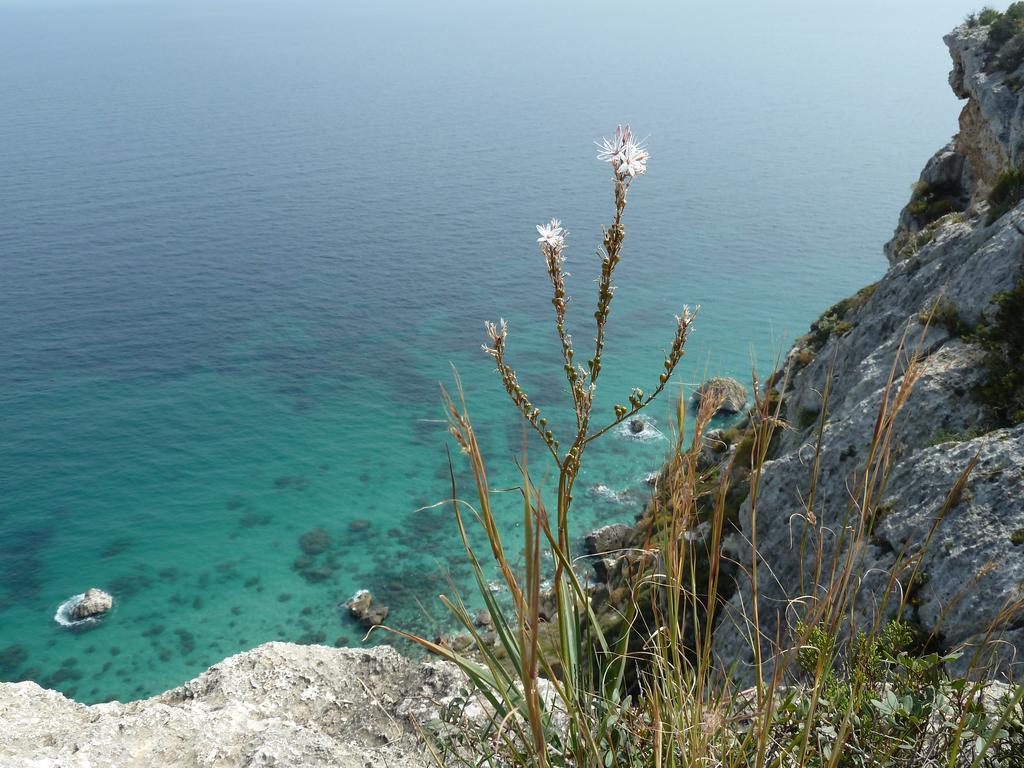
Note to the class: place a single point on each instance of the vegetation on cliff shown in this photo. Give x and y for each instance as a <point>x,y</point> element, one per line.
<point>622,669</point>
<point>1005,36</point>
<point>1003,341</point>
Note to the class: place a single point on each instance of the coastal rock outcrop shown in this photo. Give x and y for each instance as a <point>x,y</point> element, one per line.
<point>93,602</point>
<point>276,705</point>
<point>950,257</point>
<point>608,538</point>
<point>733,395</point>
<point>362,608</point>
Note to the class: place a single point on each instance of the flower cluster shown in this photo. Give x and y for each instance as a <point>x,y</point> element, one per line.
<point>627,156</point>
<point>551,234</point>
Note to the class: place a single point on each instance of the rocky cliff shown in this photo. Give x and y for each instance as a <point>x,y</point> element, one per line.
<point>276,705</point>
<point>951,253</point>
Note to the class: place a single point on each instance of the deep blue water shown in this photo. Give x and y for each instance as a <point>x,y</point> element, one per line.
<point>242,243</point>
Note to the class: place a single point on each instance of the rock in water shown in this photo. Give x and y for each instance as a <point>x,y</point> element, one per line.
<point>733,394</point>
<point>361,607</point>
<point>636,426</point>
<point>95,602</point>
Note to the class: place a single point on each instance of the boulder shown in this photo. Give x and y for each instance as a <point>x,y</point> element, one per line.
<point>733,394</point>
<point>607,539</point>
<point>636,426</point>
<point>94,602</point>
<point>361,607</point>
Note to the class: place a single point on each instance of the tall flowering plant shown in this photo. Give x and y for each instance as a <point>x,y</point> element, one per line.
<point>550,721</point>
<point>628,159</point>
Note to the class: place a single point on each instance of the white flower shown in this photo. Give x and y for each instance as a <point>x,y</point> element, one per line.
<point>610,148</point>
<point>551,234</point>
<point>632,160</point>
<point>627,156</point>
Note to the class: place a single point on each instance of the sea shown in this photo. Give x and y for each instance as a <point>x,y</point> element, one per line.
<point>244,246</point>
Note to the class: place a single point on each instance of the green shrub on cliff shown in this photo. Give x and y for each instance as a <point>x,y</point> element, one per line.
<point>833,320</point>
<point>1005,36</point>
<point>1003,341</point>
<point>929,202</point>
<point>985,17</point>
<point>944,313</point>
<point>1006,192</point>
<point>1006,25</point>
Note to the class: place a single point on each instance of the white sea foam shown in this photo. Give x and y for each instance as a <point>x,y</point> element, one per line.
<point>606,493</point>
<point>649,432</point>
<point>357,596</point>
<point>63,614</point>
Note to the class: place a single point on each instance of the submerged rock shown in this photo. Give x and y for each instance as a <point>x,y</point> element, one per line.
<point>94,602</point>
<point>315,542</point>
<point>731,391</point>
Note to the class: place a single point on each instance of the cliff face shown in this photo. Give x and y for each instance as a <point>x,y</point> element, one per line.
<point>946,252</point>
<point>277,705</point>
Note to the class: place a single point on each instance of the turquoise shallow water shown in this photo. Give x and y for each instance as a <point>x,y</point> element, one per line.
<point>241,245</point>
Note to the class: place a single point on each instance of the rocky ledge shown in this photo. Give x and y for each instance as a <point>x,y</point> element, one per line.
<point>276,705</point>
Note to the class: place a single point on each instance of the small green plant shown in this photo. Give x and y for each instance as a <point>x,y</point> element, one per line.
<point>910,243</point>
<point>943,436</point>
<point>1006,192</point>
<point>1017,537</point>
<point>833,320</point>
<point>1002,338</point>
<point>929,202</point>
<point>943,313</point>
<point>879,513</point>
